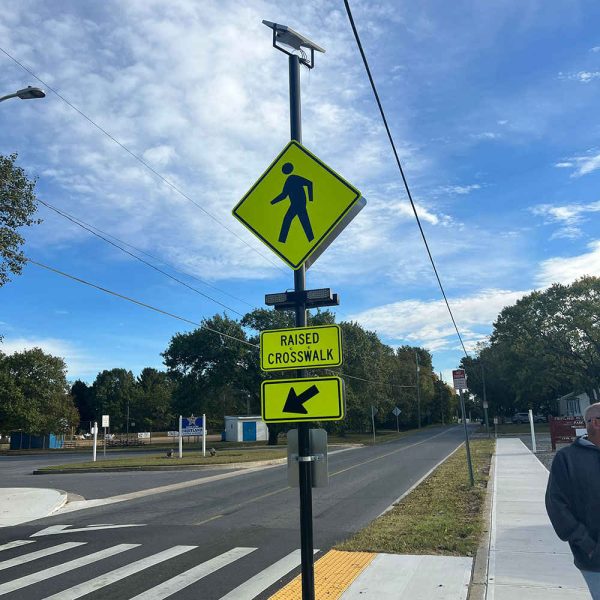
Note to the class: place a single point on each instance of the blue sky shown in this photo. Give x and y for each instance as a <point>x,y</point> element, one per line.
<point>493,106</point>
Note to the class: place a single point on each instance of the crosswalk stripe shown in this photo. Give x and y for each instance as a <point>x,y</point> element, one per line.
<point>266,578</point>
<point>25,558</point>
<point>17,584</point>
<point>177,583</point>
<point>15,544</point>
<point>112,576</point>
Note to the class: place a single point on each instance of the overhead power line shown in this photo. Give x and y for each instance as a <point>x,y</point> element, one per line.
<point>147,263</point>
<point>152,256</point>
<point>391,139</point>
<point>183,319</point>
<point>138,302</point>
<point>137,157</point>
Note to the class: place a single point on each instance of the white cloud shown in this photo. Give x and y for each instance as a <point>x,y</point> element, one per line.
<point>485,135</point>
<point>428,322</point>
<point>583,165</point>
<point>460,189</point>
<point>570,216</point>
<point>595,49</point>
<point>566,270</point>
<point>581,76</point>
<point>78,362</point>
<point>200,94</point>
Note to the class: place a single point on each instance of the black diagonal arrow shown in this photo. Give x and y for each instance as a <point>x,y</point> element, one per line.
<point>295,403</point>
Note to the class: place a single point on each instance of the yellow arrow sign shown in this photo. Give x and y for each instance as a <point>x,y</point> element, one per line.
<point>297,204</point>
<point>305,347</point>
<point>306,399</point>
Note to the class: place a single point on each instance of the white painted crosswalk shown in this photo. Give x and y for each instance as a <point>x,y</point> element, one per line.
<point>174,577</point>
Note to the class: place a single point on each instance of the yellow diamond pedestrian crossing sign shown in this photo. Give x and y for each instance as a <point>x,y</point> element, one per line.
<point>298,206</point>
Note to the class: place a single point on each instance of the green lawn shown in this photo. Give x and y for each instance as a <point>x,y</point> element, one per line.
<point>441,516</point>
<point>517,428</point>
<point>160,460</point>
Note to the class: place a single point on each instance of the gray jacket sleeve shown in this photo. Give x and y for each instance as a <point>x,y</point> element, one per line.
<point>559,507</point>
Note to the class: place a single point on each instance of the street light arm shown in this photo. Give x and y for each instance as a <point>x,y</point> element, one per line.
<point>7,97</point>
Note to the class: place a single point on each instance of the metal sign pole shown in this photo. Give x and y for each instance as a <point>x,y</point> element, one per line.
<point>204,435</point>
<point>180,436</point>
<point>462,408</point>
<point>95,439</point>
<point>373,422</point>
<point>533,444</point>
<point>105,442</point>
<point>305,474</point>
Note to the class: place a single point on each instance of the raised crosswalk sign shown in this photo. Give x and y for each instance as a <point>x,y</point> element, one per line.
<point>298,206</point>
<point>301,347</point>
<point>303,399</point>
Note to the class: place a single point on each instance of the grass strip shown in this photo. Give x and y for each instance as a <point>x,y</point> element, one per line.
<point>518,428</point>
<point>441,516</point>
<point>222,458</point>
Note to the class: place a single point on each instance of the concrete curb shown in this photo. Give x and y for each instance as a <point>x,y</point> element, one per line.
<point>479,577</point>
<point>242,465</point>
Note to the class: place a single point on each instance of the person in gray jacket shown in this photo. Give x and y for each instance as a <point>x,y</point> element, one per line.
<point>573,499</point>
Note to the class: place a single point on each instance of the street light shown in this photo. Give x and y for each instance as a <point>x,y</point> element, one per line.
<point>28,93</point>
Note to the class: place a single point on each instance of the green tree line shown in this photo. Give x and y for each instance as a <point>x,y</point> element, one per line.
<point>544,346</point>
<point>209,371</point>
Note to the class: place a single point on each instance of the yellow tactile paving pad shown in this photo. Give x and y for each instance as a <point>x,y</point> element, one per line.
<point>334,572</point>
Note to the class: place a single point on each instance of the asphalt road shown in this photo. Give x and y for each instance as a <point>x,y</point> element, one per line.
<point>206,540</point>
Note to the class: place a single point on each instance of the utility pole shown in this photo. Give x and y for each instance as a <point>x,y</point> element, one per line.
<point>485,402</point>
<point>418,384</point>
<point>441,398</point>
<point>464,419</point>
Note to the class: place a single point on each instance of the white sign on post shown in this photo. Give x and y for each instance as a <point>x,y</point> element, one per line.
<point>460,379</point>
<point>396,411</point>
<point>105,421</point>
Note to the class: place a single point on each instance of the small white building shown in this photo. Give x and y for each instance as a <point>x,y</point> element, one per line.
<point>573,405</point>
<point>245,429</point>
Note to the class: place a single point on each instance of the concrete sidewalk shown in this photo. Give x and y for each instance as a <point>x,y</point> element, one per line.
<point>527,561</point>
<point>20,505</point>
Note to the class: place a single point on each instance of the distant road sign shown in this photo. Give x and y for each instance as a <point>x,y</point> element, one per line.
<point>297,204</point>
<point>105,420</point>
<point>305,347</point>
<point>396,411</point>
<point>460,379</point>
<point>305,399</point>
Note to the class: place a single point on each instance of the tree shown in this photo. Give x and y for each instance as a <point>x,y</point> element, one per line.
<point>211,369</point>
<point>17,206</point>
<point>152,410</point>
<point>34,393</point>
<point>113,390</point>
<point>545,345</point>
<point>84,401</point>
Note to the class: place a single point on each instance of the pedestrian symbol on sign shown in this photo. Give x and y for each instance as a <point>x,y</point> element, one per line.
<point>294,188</point>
